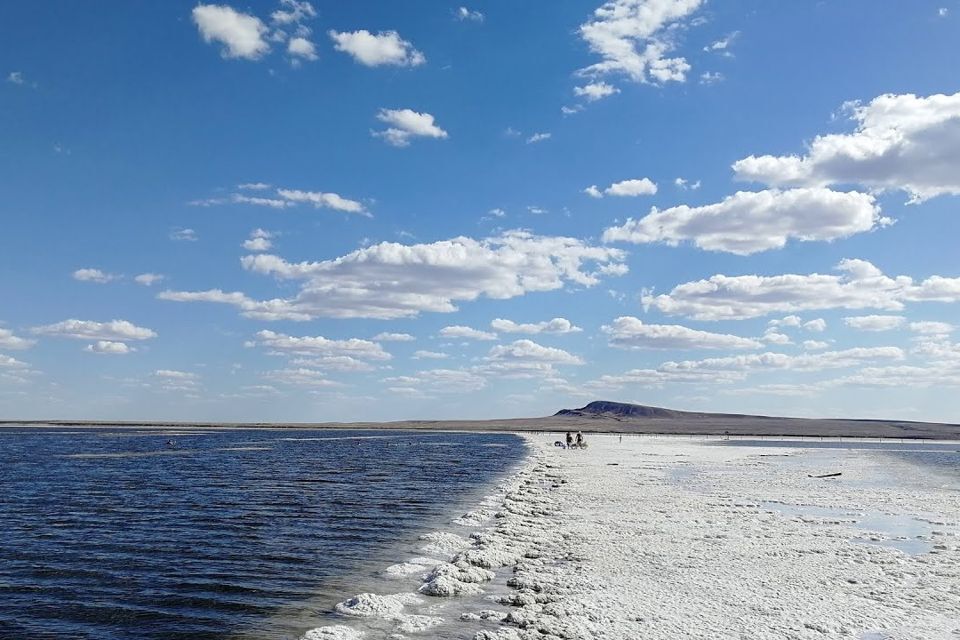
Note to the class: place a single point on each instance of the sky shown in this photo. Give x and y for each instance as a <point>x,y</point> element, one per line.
<point>332,211</point>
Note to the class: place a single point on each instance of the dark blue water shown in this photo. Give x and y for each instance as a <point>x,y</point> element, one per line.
<point>113,534</point>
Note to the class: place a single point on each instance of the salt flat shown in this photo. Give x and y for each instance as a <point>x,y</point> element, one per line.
<point>678,538</point>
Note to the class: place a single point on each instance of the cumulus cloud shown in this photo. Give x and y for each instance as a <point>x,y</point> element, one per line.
<point>859,285</point>
<point>874,322</point>
<point>115,330</point>
<point>94,275</point>
<point>556,326</point>
<point>429,355</point>
<point>242,35</point>
<point>320,199</point>
<point>734,368</point>
<point>184,235</point>
<point>302,377</point>
<point>300,47</point>
<point>391,280</point>
<point>815,345</point>
<point>109,347</point>
<point>148,279</point>
<point>528,351</point>
<point>319,345</point>
<point>929,327</point>
<point>259,240</point>
<point>439,381</point>
<point>722,45</point>
<point>627,332</point>
<point>16,77</point>
<point>625,188</point>
<point>901,142</point>
<point>595,91</point>
<point>293,12</point>
<point>818,325</point>
<point>372,50</point>
<point>685,184</point>
<point>393,337</point>
<point>11,363</point>
<point>539,137</point>
<point>404,124</point>
<point>466,333</point>
<point>750,222</point>
<point>8,340</point>
<point>635,37</point>
<point>343,364</point>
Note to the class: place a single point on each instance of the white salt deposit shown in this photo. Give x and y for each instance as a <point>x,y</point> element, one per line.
<point>669,538</point>
<point>332,632</point>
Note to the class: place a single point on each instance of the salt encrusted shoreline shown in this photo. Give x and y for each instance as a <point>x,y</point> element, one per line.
<point>663,538</point>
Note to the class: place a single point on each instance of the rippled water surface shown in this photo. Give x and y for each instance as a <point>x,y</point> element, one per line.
<point>109,533</point>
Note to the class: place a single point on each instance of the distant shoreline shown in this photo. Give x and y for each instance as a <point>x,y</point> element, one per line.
<point>718,425</point>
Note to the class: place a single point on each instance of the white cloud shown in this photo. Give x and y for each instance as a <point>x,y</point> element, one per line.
<point>94,275</point>
<point>595,91</point>
<point>391,280</point>
<point>294,11</point>
<point>462,13</point>
<point>537,211</point>
<point>344,364</point>
<point>253,186</point>
<point>772,336</point>
<point>16,77</point>
<point>438,381</point>
<point>539,137</point>
<point>569,111</point>
<point>711,77</point>
<point>860,285</point>
<point>148,279</point>
<point>115,330</point>
<point>109,347</point>
<point>318,345</point>
<point>259,240</point>
<point>184,235</point>
<point>8,340</point>
<point>627,332</point>
<point>393,337</point>
<point>685,184</point>
<point>817,325</point>
<point>529,352</point>
<point>467,333</point>
<point>555,326</point>
<point>815,345</point>
<point>241,34</point>
<point>787,321</point>
<point>723,44</point>
<point>320,199</point>
<point>874,322</point>
<point>11,362</point>
<point>943,12</point>
<point>733,368</point>
<point>624,188</point>
<point>302,48</point>
<point>928,327</point>
<point>301,377</point>
<point>634,38</point>
<point>901,142</point>
<point>405,124</point>
<point>429,355</point>
<point>750,222</point>
<point>386,47</point>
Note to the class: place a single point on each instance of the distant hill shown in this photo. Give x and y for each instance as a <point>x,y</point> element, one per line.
<point>620,410</point>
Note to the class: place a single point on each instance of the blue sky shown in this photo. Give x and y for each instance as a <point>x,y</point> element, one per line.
<point>374,211</point>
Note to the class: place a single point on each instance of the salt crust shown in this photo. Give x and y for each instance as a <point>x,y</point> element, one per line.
<point>626,550</point>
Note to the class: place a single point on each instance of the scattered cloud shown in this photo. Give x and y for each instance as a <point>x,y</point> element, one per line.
<point>595,91</point>
<point>392,280</point>
<point>259,240</point>
<point>11,363</point>
<point>184,235</point>
<point>537,211</point>
<point>115,330</point>
<point>817,325</point>
<point>293,12</point>
<point>463,13</point>
<point>318,345</point>
<point>859,285</point>
<point>302,48</point>
<point>10,341</point>
<point>750,222</point>
<point>528,351</point>
<point>429,355</point>
<point>901,142</point>
<point>286,198</point>
<point>302,377</point>
<point>815,345</point>
<point>94,275</point>
<point>875,322</point>
<point>943,12</point>
<point>635,37</point>
<point>437,381</point>
<point>373,50</point>
<point>149,279</point>
<point>242,35</point>
<point>624,188</point>
<point>627,332</point>
<point>711,77</point>
<point>928,327</point>
<point>466,333</point>
<point>109,347</point>
<point>393,337</point>
<point>685,184</point>
<point>555,326</point>
<point>253,186</point>
<point>404,124</point>
<point>539,137</point>
<point>722,45</point>
<point>15,77</point>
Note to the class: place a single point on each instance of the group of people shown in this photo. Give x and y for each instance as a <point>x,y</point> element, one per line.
<point>580,444</point>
